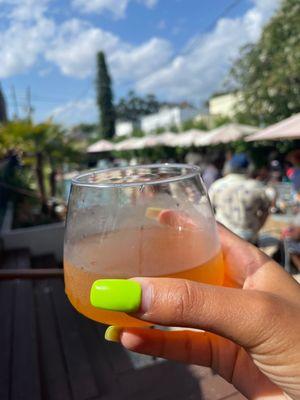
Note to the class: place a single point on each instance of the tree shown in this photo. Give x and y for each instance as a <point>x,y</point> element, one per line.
<point>40,145</point>
<point>268,72</point>
<point>3,113</point>
<point>105,98</point>
<point>133,107</point>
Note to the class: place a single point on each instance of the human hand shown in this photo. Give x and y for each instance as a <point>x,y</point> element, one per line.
<point>252,328</point>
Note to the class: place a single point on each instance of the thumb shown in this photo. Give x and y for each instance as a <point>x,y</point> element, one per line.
<point>243,316</point>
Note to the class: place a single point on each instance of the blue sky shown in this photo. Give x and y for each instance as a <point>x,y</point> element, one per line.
<point>176,49</point>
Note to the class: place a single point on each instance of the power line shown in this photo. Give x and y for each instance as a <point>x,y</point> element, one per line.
<point>227,9</point>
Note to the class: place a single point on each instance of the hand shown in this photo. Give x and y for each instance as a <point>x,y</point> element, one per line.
<point>252,329</point>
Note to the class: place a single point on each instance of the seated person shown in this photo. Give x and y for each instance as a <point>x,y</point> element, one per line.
<point>241,203</point>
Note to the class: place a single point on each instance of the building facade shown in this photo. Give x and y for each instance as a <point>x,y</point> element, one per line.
<point>167,117</point>
<point>225,104</point>
<point>125,128</point>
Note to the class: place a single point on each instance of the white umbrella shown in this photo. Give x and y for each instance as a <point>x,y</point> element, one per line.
<point>150,141</point>
<point>187,138</point>
<point>100,146</point>
<point>289,128</point>
<point>130,144</point>
<point>225,134</point>
<point>205,139</point>
<point>166,138</point>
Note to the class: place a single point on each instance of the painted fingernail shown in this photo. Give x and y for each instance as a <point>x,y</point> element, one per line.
<point>116,295</point>
<point>112,334</point>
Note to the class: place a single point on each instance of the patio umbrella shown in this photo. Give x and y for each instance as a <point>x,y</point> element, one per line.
<point>226,133</point>
<point>187,138</point>
<point>100,146</point>
<point>205,139</point>
<point>166,138</point>
<point>130,144</point>
<point>150,141</point>
<point>289,128</point>
<point>147,141</point>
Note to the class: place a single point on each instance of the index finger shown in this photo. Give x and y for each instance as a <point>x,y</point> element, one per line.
<point>241,259</point>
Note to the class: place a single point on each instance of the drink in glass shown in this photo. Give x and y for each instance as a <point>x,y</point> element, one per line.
<point>153,220</point>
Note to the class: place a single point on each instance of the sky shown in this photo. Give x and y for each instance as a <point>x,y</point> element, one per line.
<point>179,50</point>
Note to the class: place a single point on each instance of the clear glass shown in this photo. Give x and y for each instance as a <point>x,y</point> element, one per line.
<point>148,220</point>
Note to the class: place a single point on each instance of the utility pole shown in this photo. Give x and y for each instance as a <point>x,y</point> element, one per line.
<point>29,108</point>
<point>15,102</point>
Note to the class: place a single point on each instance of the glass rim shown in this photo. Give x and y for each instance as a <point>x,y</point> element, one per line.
<point>192,171</point>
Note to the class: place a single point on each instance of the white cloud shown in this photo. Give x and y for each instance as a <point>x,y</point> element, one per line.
<point>75,45</point>
<point>24,35</point>
<point>71,45</point>
<point>149,3</point>
<point>75,112</point>
<point>203,64</point>
<point>74,50</point>
<point>21,45</point>
<point>29,33</point>
<point>115,7</point>
<point>25,10</point>
<point>130,62</point>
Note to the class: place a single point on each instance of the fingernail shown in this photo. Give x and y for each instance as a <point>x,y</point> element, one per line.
<point>116,295</point>
<point>112,334</point>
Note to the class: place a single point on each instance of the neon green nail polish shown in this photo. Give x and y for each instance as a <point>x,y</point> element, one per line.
<point>116,295</point>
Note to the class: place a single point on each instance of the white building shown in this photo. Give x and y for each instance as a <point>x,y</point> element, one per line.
<point>125,128</point>
<point>225,104</point>
<point>167,117</point>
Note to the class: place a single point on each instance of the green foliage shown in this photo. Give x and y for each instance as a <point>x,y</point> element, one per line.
<point>158,131</point>
<point>138,133</point>
<point>3,112</point>
<point>189,124</point>
<point>205,125</point>
<point>27,138</point>
<point>39,147</point>
<point>86,128</point>
<point>173,128</point>
<point>220,120</point>
<point>202,125</point>
<point>105,98</point>
<point>133,107</point>
<point>268,73</point>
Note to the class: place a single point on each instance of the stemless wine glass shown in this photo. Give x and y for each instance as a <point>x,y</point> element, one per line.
<point>147,220</point>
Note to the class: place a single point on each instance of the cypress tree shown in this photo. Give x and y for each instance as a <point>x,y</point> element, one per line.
<point>105,98</point>
<point>3,113</point>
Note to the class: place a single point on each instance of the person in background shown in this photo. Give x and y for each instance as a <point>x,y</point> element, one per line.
<point>294,158</point>
<point>262,175</point>
<point>240,203</point>
<point>211,172</point>
<point>226,166</point>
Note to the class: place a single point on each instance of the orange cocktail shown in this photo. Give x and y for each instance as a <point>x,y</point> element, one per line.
<point>152,220</point>
<point>121,253</point>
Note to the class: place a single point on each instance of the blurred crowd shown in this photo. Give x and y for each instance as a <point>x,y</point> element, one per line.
<point>244,197</point>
